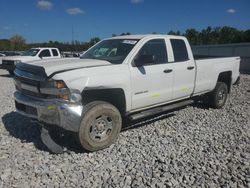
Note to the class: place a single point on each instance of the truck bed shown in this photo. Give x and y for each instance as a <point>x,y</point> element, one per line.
<point>209,68</point>
<point>198,57</point>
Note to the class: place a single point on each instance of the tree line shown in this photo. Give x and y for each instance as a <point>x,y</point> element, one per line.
<point>216,35</point>
<point>209,35</point>
<point>18,43</point>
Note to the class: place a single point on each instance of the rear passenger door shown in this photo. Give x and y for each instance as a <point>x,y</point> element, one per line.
<point>184,69</point>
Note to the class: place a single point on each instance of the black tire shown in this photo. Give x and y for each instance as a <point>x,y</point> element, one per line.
<point>218,96</point>
<point>100,125</point>
<point>11,72</point>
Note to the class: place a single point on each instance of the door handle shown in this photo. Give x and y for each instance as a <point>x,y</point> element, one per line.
<point>168,70</point>
<point>190,67</point>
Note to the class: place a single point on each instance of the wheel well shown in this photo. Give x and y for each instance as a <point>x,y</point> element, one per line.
<point>115,96</point>
<point>226,77</point>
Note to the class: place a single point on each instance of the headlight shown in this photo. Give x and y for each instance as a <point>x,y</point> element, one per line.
<point>64,97</point>
<point>53,84</point>
<point>75,96</point>
<point>59,89</point>
<point>56,88</point>
<point>60,84</point>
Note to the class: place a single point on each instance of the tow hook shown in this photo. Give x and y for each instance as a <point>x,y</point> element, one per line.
<point>49,142</point>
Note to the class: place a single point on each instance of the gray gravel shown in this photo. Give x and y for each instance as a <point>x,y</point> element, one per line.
<point>195,146</point>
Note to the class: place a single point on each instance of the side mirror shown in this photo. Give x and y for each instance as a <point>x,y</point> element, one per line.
<point>143,60</point>
<point>40,55</point>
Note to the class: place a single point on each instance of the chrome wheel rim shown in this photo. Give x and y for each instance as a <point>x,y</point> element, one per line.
<point>101,128</point>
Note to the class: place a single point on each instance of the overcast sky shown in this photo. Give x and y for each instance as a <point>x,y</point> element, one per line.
<point>43,20</point>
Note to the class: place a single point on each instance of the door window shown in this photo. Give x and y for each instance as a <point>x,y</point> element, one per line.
<point>179,50</point>
<point>45,53</point>
<point>157,49</point>
<point>54,52</point>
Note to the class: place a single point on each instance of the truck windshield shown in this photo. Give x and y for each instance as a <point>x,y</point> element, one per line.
<point>31,52</point>
<point>113,50</point>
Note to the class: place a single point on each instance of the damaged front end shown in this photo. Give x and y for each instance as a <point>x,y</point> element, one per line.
<point>46,100</point>
<point>50,111</point>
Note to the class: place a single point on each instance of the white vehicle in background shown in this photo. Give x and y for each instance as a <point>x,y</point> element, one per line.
<point>128,76</point>
<point>82,53</point>
<point>9,63</point>
<point>1,57</point>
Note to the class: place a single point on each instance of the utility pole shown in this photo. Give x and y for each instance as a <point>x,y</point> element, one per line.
<point>72,34</point>
<point>73,39</point>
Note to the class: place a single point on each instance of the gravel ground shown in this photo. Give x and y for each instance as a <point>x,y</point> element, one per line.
<point>194,146</point>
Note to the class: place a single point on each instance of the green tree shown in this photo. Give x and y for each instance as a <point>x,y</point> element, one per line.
<point>205,35</point>
<point>192,36</point>
<point>5,45</point>
<point>94,40</point>
<point>246,36</point>
<point>17,42</point>
<point>229,35</point>
<point>178,33</point>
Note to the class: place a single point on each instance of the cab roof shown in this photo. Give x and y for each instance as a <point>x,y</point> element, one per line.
<point>138,37</point>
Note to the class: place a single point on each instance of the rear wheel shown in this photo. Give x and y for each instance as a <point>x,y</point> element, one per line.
<point>100,125</point>
<point>218,97</point>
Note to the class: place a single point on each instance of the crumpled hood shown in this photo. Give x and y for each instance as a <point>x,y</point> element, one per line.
<point>20,58</point>
<point>53,66</point>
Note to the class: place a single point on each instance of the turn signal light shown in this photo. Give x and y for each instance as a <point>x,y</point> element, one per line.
<point>64,97</point>
<point>60,84</point>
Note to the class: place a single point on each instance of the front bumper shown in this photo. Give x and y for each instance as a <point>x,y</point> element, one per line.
<point>50,111</point>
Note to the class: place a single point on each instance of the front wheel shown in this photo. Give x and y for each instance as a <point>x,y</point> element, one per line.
<point>100,125</point>
<point>218,97</point>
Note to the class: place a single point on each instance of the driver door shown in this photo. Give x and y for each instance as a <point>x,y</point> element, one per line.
<point>152,82</point>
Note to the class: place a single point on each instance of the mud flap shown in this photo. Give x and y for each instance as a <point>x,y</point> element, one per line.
<point>50,143</point>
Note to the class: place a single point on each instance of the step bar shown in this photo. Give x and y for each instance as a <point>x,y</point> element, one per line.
<point>160,109</point>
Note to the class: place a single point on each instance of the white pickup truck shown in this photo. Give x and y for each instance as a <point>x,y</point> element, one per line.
<point>134,76</point>
<point>33,54</point>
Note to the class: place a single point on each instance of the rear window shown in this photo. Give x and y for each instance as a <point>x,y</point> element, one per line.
<point>54,52</point>
<point>179,50</point>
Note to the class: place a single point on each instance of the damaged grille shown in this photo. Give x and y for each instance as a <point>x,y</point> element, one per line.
<point>34,94</point>
<point>26,80</point>
<point>30,75</point>
<point>30,72</point>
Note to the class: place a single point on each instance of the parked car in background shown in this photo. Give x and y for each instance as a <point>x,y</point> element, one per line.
<point>11,53</point>
<point>33,54</point>
<point>70,54</point>
<point>127,76</point>
<point>2,55</point>
<point>82,53</point>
